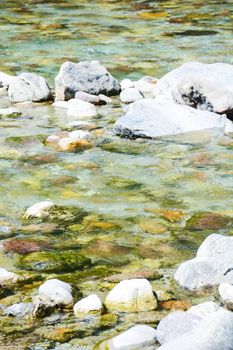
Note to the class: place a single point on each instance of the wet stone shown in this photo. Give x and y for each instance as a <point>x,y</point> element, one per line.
<point>207,221</point>
<point>25,246</point>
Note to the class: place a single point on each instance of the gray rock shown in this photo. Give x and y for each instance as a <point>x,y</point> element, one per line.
<point>202,86</point>
<point>214,332</point>
<point>84,76</point>
<point>175,324</point>
<point>19,310</point>
<point>212,265</point>
<point>134,338</point>
<point>146,118</point>
<point>29,87</point>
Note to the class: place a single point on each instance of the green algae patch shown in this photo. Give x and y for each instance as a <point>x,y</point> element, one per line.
<point>53,261</point>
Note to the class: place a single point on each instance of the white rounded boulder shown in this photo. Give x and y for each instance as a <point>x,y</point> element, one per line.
<point>92,303</point>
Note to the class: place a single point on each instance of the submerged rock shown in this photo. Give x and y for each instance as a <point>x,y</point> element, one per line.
<point>213,332</point>
<point>39,210</point>
<point>207,221</point>
<point>134,338</point>
<point>131,296</point>
<point>7,277</point>
<point>76,140</point>
<point>9,112</point>
<point>146,118</point>
<point>211,266</point>
<point>175,324</point>
<point>84,76</point>
<point>90,304</point>
<point>24,246</point>
<point>81,125</point>
<point>51,261</point>
<point>199,85</point>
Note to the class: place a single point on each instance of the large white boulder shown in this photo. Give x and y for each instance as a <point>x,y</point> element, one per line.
<point>131,296</point>
<point>7,277</point>
<point>92,303</point>
<point>213,332</point>
<point>199,85</point>
<point>84,76</point>
<point>39,210</point>
<point>211,266</point>
<point>175,324</point>
<point>134,338</point>
<point>57,291</point>
<point>147,118</point>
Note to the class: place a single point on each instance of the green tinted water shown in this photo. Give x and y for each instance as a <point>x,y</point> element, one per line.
<point>137,195</point>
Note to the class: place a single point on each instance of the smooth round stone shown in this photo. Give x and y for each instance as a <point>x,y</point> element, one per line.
<point>79,109</point>
<point>92,303</point>
<point>126,84</point>
<point>58,291</point>
<point>134,338</point>
<point>131,296</point>
<point>39,210</point>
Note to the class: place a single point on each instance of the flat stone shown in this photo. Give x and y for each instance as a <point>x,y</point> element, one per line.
<point>134,338</point>
<point>9,112</point>
<point>19,310</point>
<point>147,118</point>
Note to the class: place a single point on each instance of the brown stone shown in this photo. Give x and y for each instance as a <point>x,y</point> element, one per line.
<point>24,246</point>
<point>175,305</point>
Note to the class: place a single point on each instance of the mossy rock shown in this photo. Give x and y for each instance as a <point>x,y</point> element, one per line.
<point>207,221</point>
<point>124,183</point>
<point>66,215</point>
<point>124,147</point>
<point>53,261</point>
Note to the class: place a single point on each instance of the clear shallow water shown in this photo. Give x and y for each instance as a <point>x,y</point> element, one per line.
<point>137,195</point>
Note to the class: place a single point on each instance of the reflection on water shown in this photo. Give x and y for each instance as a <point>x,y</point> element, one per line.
<point>138,198</point>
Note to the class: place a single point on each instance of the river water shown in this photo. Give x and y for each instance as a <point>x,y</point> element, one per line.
<point>127,203</point>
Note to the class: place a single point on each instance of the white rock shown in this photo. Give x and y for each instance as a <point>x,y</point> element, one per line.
<point>134,338</point>
<point>146,84</point>
<point>204,309</point>
<point>53,138</point>
<point>214,332</point>
<point>19,309</point>
<point>131,296</point>
<point>146,118</point>
<point>229,127</point>
<point>203,86</point>
<point>131,95</point>
<point>92,303</point>
<point>8,277</point>
<point>174,324</point>
<point>126,83</point>
<point>58,291</point>
<point>79,135</point>
<point>79,109</point>
<point>61,104</point>
<point>212,265</point>
<point>226,294</point>
<point>215,245</point>
<point>9,112</point>
<point>39,210</point>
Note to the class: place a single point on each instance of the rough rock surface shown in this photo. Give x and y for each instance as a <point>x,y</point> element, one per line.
<point>212,265</point>
<point>175,324</point>
<point>202,86</point>
<point>147,118</point>
<point>131,296</point>
<point>84,76</point>
<point>214,332</point>
<point>134,338</point>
